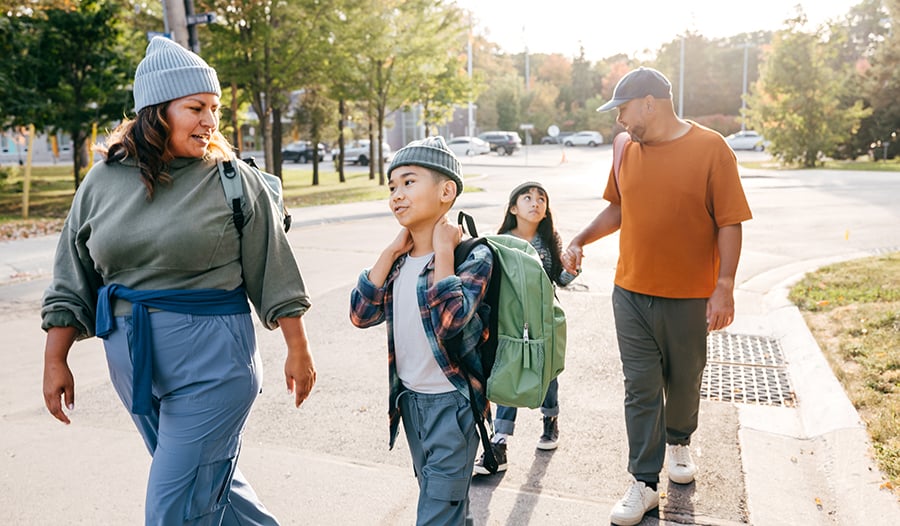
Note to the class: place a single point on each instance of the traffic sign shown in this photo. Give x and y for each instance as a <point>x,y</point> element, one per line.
<point>202,18</point>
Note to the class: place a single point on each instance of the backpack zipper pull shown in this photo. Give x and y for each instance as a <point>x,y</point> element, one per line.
<point>525,332</point>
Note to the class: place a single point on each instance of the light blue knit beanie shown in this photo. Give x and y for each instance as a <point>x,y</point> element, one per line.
<point>169,72</point>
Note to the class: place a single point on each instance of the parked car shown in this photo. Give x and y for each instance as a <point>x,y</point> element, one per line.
<point>468,146</point>
<point>357,152</point>
<point>502,142</point>
<point>584,138</point>
<point>559,139</point>
<point>301,152</point>
<point>746,140</point>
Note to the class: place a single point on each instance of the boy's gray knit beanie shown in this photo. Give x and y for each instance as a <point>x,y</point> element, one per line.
<point>433,153</point>
<point>169,72</point>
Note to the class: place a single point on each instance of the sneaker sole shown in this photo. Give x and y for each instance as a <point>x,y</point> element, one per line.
<point>481,470</point>
<point>548,446</point>
<point>681,480</point>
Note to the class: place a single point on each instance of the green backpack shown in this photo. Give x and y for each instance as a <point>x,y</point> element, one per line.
<point>526,348</point>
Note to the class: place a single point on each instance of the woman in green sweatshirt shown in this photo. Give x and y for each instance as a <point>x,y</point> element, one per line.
<point>150,261</point>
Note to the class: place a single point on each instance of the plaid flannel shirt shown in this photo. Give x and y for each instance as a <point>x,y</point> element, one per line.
<point>450,306</point>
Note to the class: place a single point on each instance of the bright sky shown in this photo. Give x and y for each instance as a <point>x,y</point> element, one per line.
<point>606,28</point>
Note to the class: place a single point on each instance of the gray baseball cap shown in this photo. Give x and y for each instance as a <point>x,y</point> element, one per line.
<point>637,84</point>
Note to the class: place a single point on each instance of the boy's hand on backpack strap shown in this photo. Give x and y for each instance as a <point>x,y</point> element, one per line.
<point>446,235</point>
<point>445,238</point>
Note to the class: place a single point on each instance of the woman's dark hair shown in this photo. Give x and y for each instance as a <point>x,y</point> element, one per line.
<point>545,229</point>
<point>146,140</point>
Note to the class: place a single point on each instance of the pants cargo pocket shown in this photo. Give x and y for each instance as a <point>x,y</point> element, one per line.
<point>212,481</point>
<point>442,488</point>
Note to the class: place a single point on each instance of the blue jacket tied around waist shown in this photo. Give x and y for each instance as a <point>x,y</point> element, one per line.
<point>203,302</point>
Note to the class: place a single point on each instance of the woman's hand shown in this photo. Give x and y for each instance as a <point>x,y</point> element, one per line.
<point>59,384</point>
<point>299,369</point>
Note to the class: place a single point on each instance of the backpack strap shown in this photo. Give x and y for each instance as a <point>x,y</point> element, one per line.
<point>619,143</point>
<point>285,213</point>
<point>234,191</point>
<point>454,345</point>
<point>468,223</point>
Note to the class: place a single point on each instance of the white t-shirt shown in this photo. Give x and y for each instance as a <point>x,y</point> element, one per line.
<point>416,365</point>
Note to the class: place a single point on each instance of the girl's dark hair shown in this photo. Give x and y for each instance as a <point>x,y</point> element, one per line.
<point>146,140</point>
<point>545,229</point>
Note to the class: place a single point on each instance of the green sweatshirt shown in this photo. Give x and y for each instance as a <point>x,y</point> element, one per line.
<point>183,239</point>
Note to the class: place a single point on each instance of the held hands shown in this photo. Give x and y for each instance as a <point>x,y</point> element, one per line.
<point>571,259</point>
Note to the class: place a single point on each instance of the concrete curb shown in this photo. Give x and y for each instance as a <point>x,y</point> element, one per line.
<point>811,464</point>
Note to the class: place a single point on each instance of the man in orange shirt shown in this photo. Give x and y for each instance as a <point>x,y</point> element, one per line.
<point>678,203</point>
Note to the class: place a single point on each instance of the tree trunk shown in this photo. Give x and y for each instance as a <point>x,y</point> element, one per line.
<point>380,123</point>
<point>79,160</point>
<point>339,161</point>
<point>372,158</point>
<point>235,124</point>
<point>314,131</point>
<point>276,144</point>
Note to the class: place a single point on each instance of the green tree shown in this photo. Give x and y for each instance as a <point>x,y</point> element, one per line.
<point>797,101</point>
<point>268,50</point>
<point>401,43</point>
<point>881,84</point>
<point>74,67</point>
<point>500,78</point>
<point>443,85</point>
<point>311,115</point>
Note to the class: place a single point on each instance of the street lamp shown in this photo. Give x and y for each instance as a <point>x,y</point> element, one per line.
<point>744,91</point>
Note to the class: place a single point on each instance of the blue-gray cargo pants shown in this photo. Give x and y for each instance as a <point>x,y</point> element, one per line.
<point>206,375</point>
<point>440,429</point>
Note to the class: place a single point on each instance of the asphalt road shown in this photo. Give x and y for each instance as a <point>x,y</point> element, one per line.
<point>328,462</point>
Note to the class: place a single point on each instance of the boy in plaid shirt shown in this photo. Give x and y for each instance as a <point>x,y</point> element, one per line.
<point>414,287</point>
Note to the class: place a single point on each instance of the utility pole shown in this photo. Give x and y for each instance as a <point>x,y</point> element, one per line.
<point>176,21</point>
<point>527,69</point>
<point>470,129</point>
<point>193,41</point>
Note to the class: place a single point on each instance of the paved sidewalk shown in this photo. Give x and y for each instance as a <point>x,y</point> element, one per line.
<point>327,463</point>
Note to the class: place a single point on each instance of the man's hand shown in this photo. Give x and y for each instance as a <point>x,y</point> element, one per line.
<point>720,306</point>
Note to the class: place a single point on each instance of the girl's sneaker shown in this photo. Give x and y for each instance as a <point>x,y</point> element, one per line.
<point>550,438</point>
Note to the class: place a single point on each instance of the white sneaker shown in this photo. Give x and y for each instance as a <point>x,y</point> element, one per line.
<point>638,500</point>
<point>680,464</point>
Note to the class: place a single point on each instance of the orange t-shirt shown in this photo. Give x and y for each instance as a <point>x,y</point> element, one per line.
<point>674,197</point>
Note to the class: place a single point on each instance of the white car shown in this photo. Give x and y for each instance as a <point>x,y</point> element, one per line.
<point>357,152</point>
<point>468,146</point>
<point>746,140</point>
<point>584,138</point>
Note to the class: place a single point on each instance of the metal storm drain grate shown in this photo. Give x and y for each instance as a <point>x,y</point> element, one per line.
<point>745,369</point>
